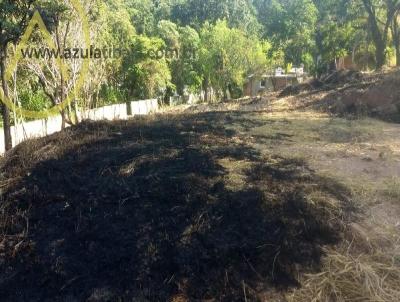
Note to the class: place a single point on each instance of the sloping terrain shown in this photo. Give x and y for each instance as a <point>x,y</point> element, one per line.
<point>247,201</point>
<point>347,92</point>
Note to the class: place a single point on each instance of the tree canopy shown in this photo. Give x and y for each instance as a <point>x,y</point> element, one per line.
<point>181,46</point>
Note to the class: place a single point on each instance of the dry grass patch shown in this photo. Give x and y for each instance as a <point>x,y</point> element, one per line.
<point>340,130</point>
<point>235,178</point>
<point>346,277</point>
<point>391,188</point>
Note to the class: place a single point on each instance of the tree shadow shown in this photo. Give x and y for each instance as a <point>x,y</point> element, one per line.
<point>144,214</point>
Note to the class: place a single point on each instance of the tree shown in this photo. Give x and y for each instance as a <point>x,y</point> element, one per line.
<point>185,68</point>
<point>51,71</point>
<point>142,15</point>
<point>377,9</point>
<point>14,17</point>
<point>182,47</point>
<point>396,36</point>
<point>290,25</point>
<point>169,32</point>
<point>240,14</point>
<point>144,74</point>
<point>336,30</point>
<point>111,27</point>
<point>227,55</point>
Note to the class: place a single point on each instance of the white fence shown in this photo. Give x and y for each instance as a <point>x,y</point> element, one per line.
<point>44,127</point>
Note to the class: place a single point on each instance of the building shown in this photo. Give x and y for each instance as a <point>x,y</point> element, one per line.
<point>257,84</point>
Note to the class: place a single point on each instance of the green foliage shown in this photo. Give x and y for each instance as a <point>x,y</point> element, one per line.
<point>168,31</point>
<point>185,71</point>
<point>35,101</point>
<point>191,45</point>
<point>145,76</point>
<point>141,12</point>
<point>337,40</point>
<point>227,55</point>
<point>290,25</point>
<point>13,20</point>
<point>111,95</point>
<point>117,28</point>
<point>238,13</point>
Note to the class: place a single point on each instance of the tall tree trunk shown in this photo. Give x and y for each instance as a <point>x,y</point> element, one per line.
<point>380,37</point>
<point>63,119</point>
<point>397,47</point>
<point>225,93</point>
<point>379,42</point>
<point>206,91</point>
<point>320,48</point>
<point>396,38</point>
<point>5,112</point>
<point>380,54</point>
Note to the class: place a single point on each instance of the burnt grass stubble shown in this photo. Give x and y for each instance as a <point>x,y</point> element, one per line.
<point>168,226</point>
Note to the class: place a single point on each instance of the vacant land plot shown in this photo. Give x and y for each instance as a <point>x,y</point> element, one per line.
<point>257,202</point>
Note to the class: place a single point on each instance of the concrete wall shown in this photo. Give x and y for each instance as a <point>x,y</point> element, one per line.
<point>121,111</point>
<point>38,128</point>
<point>144,107</point>
<point>41,128</point>
<point>110,113</point>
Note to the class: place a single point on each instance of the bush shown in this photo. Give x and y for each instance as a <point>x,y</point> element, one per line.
<point>111,95</point>
<point>34,101</point>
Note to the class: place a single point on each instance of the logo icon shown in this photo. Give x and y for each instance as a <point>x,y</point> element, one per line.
<point>37,22</point>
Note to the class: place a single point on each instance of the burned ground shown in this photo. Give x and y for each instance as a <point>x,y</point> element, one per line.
<point>142,211</point>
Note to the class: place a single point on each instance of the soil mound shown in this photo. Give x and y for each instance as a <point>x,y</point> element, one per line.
<point>348,92</point>
<point>379,98</point>
<point>300,88</point>
<point>142,211</point>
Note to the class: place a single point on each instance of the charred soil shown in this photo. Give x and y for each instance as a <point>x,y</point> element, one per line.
<point>142,211</point>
